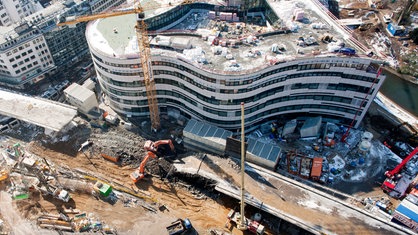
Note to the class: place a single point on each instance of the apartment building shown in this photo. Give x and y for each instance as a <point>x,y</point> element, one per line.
<point>36,48</point>
<point>103,5</point>
<point>24,56</point>
<point>13,11</point>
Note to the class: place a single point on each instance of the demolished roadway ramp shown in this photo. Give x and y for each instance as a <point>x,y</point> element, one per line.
<point>297,203</point>
<point>45,113</point>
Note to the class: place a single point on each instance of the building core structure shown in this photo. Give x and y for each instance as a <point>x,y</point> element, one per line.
<point>285,59</point>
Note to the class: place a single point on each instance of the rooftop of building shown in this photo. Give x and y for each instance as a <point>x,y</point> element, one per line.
<point>79,92</point>
<point>314,34</point>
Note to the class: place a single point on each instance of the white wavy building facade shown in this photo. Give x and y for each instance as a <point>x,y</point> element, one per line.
<point>339,88</point>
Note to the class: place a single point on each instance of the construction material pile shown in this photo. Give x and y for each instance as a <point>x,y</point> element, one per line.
<point>79,222</point>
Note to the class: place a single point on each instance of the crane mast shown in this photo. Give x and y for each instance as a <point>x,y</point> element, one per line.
<point>145,57</point>
<point>143,50</point>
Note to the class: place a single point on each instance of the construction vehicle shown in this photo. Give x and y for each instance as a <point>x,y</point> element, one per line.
<point>143,49</point>
<point>155,147</point>
<point>15,151</point>
<point>139,172</point>
<point>393,179</point>
<point>4,175</point>
<point>55,192</point>
<point>48,189</point>
<point>252,225</point>
<point>179,227</point>
<point>104,192</point>
<point>111,119</point>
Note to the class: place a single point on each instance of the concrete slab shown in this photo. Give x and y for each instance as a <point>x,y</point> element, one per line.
<point>45,113</point>
<point>293,201</point>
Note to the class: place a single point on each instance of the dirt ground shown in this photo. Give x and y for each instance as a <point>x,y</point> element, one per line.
<point>179,200</point>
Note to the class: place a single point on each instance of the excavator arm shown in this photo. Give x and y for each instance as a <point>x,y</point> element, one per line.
<point>155,146</point>
<point>139,173</point>
<point>163,142</point>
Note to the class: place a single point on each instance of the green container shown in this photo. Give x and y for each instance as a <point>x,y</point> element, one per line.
<point>21,196</point>
<point>105,190</point>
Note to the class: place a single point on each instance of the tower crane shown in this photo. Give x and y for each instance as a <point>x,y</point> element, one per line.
<point>143,46</point>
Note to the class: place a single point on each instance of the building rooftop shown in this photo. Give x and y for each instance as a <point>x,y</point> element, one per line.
<point>41,112</point>
<point>314,34</point>
<point>80,92</point>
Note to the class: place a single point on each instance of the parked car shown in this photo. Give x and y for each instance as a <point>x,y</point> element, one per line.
<point>51,94</point>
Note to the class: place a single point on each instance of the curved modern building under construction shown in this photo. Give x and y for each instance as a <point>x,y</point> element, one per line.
<point>282,63</point>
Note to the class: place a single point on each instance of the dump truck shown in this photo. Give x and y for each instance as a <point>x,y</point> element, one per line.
<point>179,227</point>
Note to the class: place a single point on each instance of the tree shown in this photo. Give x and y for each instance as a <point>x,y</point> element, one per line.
<point>414,35</point>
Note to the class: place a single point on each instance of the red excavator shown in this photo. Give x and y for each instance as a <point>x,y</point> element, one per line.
<point>394,177</point>
<point>139,172</point>
<point>156,147</point>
